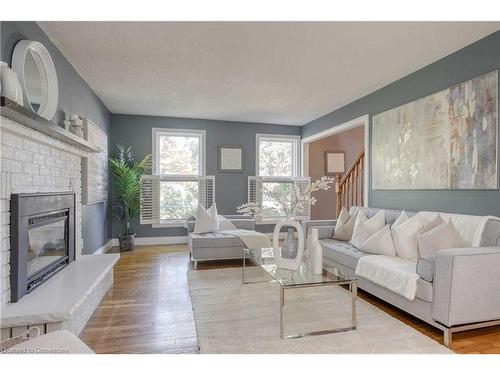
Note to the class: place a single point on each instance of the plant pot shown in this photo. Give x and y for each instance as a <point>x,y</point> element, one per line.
<point>126,242</point>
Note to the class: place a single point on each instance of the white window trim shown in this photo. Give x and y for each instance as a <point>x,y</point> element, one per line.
<point>156,133</point>
<point>296,162</point>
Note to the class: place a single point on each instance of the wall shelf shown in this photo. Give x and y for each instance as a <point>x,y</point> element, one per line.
<point>15,112</point>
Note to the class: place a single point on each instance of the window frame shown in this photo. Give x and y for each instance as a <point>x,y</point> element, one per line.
<point>296,157</point>
<point>156,134</point>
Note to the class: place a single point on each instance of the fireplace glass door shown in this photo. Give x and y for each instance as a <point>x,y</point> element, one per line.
<point>47,241</point>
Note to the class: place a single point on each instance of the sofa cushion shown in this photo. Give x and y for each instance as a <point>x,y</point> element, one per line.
<point>425,268</point>
<point>341,252</point>
<point>390,215</point>
<point>364,227</point>
<point>444,236</point>
<point>477,231</point>
<point>405,238</point>
<point>215,240</point>
<point>379,243</point>
<point>206,221</point>
<point>344,226</point>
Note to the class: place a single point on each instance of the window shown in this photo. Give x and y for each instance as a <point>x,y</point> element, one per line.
<point>277,155</point>
<point>277,169</point>
<point>179,161</point>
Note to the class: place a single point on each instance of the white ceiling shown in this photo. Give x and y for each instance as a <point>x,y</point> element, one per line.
<point>270,72</point>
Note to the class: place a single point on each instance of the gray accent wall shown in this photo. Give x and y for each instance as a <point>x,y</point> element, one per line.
<point>472,61</point>
<point>230,188</point>
<point>75,96</point>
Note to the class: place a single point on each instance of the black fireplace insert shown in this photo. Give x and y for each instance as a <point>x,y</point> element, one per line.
<point>42,238</point>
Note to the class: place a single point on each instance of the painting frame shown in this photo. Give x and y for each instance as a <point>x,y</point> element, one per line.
<point>326,154</point>
<point>468,135</point>
<point>227,151</point>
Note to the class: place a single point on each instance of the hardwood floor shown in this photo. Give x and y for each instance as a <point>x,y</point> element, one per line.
<point>148,308</point>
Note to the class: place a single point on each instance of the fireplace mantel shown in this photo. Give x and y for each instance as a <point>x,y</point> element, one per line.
<point>15,112</point>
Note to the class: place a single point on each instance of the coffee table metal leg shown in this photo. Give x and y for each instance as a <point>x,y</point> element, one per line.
<point>243,268</point>
<point>282,313</point>
<point>354,292</point>
<point>354,295</point>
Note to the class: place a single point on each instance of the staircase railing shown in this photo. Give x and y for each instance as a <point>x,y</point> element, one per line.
<point>350,187</point>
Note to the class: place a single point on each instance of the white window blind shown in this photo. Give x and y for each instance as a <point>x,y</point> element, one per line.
<point>152,211</point>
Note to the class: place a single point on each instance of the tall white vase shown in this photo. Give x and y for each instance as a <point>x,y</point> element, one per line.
<point>10,84</point>
<point>315,253</point>
<point>289,264</point>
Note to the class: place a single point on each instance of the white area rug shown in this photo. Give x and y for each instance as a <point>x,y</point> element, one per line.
<point>235,318</point>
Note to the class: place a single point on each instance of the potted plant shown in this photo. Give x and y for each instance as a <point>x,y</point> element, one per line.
<point>127,174</point>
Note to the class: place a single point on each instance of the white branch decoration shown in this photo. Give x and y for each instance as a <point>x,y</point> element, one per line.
<point>289,203</point>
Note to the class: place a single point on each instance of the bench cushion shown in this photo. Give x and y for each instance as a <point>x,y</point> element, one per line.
<point>342,252</point>
<point>218,240</point>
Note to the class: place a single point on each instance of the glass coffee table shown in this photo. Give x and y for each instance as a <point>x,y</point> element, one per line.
<point>301,278</point>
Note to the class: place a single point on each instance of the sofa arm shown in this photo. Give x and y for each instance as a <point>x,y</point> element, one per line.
<point>325,227</point>
<point>466,285</point>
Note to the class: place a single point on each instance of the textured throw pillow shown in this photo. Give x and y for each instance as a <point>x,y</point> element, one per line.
<point>206,221</point>
<point>380,243</point>
<point>401,219</point>
<point>436,222</point>
<point>364,227</point>
<point>445,236</point>
<point>344,226</point>
<point>404,236</point>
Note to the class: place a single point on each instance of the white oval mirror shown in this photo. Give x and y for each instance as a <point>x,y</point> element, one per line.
<point>37,75</point>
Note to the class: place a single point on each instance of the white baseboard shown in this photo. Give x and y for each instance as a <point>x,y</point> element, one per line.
<point>104,248</point>
<point>170,240</point>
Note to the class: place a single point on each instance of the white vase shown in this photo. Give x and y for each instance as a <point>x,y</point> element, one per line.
<point>10,84</point>
<point>289,264</point>
<point>316,253</point>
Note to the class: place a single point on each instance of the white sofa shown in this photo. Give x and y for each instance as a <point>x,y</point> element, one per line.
<point>458,289</point>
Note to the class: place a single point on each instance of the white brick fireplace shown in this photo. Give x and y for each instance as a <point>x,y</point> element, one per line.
<point>32,162</point>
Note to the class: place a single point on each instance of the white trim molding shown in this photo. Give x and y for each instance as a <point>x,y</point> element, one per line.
<point>104,248</point>
<point>169,240</point>
<point>354,123</point>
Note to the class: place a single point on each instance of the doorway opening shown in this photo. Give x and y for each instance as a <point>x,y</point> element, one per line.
<point>340,152</point>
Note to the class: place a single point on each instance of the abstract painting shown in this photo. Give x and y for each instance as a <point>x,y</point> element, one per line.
<point>447,140</point>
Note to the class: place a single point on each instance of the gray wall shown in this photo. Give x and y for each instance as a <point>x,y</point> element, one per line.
<point>75,96</point>
<point>472,61</point>
<point>230,188</point>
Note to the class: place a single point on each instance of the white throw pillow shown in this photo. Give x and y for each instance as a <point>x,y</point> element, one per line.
<point>226,224</point>
<point>206,221</point>
<point>364,227</point>
<point>445,236</point>
<point>403,217</point>
<point>380,243</point>
<point>405,238</point>
<point>344,226</point>
<point>436,222</point>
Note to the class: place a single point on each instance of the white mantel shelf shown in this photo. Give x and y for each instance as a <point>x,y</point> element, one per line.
<point>57,299</point>
<point>22,115</point>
